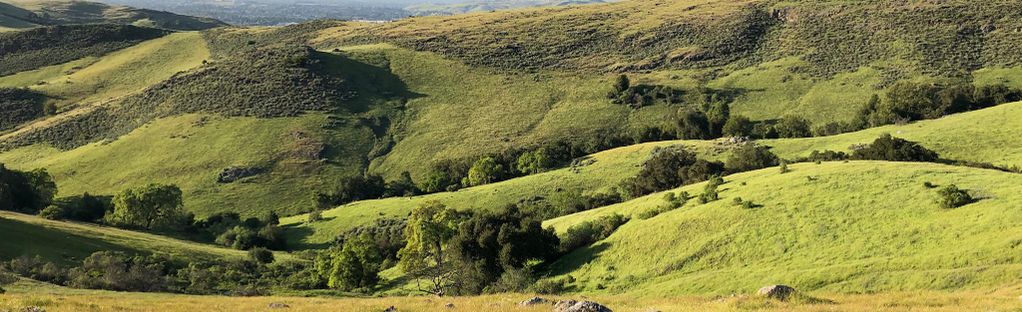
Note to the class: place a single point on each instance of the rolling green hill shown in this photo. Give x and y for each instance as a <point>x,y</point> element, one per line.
<point>402,96</point>
<point>981,136</point>
<point>66,242</point>
<point>857,227</point>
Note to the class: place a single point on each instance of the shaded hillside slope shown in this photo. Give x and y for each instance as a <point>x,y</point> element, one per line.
<point>844,227</point>
<point>38,47</point>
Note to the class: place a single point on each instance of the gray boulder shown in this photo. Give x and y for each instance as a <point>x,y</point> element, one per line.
<point>779,292</point>
<point>278,305</point>
<point>533,301</point>
<point>587,306</point>
<point>563,305</point>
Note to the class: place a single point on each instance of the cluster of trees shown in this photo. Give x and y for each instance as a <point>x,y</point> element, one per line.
<point>890,148</point>
<point>228,229</point>
<point>362,187</point>
<point>154,208</point>
<point>706,113</point>
<point>451,252</point>
<point>112,270</point>
<point>637,96</point>
<point>674,166</point>
<point>25,191</point>
<point>451,175</point>
<point>565,202</point>
<point>908,101</point>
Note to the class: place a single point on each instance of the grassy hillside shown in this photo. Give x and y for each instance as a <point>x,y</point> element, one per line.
<point>192,150</point>
<point>92,80</point>
<point>44,46</point>
<point>857,227</point>
<point>66,242</point>
<point>67,12</point>
<point>982,136</point>
<point>651,34</point>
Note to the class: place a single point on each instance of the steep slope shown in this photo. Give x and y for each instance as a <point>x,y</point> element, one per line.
<point>95,80</point>
<point>14,18</point>
<point>844,227</point>
<point>38,47</point>
<point>67,242</point>
<point>68,12</point>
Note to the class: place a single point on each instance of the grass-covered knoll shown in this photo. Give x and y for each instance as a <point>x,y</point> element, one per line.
<point>63,12</point>
<point>858,227</point>
<point>91,80</point>
<point>68,242</point>
<point>44,46</point>
<point>989,135</point>
<point>297,156</point>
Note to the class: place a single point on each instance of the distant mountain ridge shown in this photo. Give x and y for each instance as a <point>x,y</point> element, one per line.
<point>22,14</point>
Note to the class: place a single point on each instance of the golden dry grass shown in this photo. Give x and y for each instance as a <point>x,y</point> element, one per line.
<point>55,299</point>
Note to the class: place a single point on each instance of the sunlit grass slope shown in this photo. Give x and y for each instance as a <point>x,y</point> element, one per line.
<point>988,135</point>
<point>96,80</point>
<point>67,242</point>
<point>189,151</point>
<point>857,227</point>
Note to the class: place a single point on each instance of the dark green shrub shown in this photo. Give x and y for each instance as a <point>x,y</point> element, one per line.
<point>669,168</point>
<point>953,197</point>
<point>590,232</point>
<point>890,148</point>
<point>749,157</point>
<point>260,255</point>
<point>793,127</point>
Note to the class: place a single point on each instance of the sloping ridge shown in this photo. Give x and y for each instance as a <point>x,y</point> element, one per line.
<point>69,12</point>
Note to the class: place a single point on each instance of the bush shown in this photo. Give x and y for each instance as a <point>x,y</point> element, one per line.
<point>750,157</point>
<point>953,197</point>
<point>590,232</point>
<point>260,255</point>
<point>710,191</point>
<point>548,287</point>
<point>793,127</point>
<point>739,126</point>
<point>52,212</point>
<point>890,148</point>
<point>669,168</point>
<point>484,171</point>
